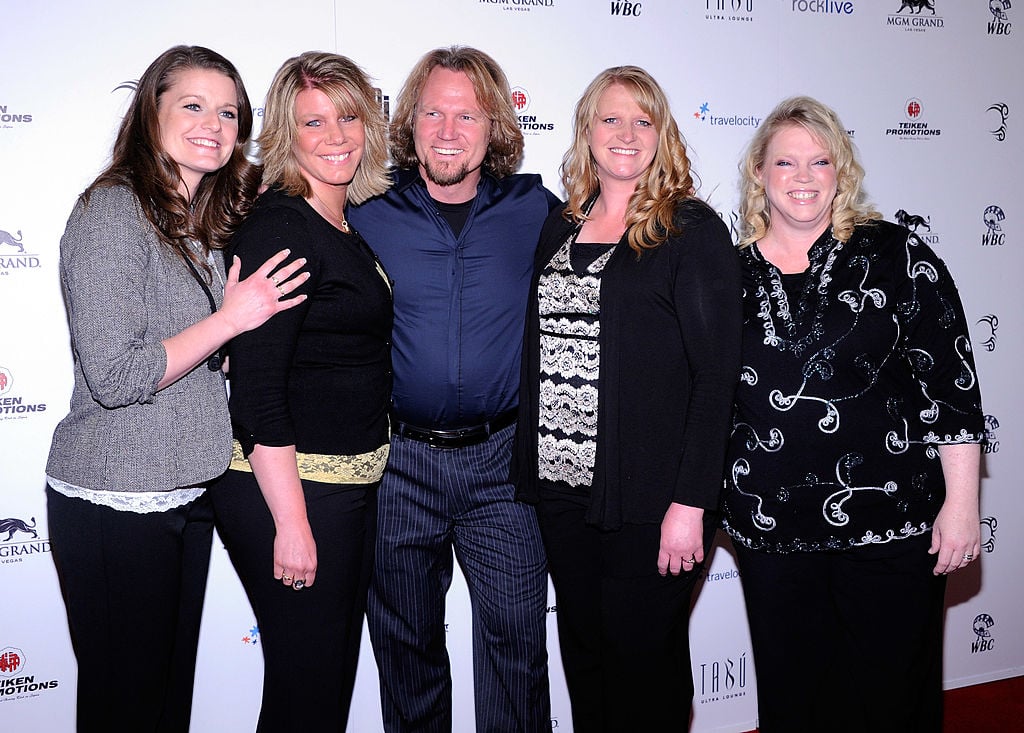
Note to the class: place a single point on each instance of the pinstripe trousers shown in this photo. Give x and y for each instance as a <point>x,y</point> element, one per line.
<point>433,501</point>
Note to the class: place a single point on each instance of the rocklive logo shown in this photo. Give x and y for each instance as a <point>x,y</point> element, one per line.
<point>823,6</point>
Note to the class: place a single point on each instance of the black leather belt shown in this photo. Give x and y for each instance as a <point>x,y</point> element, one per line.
<point>454,437</point>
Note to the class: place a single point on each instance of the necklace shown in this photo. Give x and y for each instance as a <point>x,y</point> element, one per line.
<point>339,221</point>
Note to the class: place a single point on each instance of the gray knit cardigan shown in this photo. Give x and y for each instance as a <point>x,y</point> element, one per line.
<point>125,292</point>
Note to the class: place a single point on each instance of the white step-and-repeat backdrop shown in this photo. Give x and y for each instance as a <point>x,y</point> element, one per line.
<point>930,91</point>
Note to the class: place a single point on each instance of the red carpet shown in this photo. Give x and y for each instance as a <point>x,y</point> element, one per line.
<point>995,707</point>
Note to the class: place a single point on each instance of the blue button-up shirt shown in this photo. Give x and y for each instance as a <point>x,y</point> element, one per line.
<point>460,302</point>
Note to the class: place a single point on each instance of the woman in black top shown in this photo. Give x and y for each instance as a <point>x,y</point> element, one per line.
<point>854,461</point>
<point>630,361</point>
<point>310,395</point>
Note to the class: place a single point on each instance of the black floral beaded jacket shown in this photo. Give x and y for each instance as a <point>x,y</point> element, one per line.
<point>845,395</point>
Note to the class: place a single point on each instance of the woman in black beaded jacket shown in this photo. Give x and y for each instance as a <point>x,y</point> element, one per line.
<point>853,467</point>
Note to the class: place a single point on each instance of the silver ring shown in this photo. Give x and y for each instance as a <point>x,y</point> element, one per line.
<point>299,584</point>
<point>968,557</point>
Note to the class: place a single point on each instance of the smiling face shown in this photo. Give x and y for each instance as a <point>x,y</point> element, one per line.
<point>622,137</point>
<point>198,116</point>
<point>328,145</point>
<point>800,181</point>
<point>450,134</point>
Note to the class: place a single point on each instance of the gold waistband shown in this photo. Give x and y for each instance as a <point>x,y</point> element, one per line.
<point>365,468</point>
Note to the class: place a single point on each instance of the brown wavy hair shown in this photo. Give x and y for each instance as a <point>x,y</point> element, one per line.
<point>849,207</point>
<point>505,147</point>
<point>348,87</point>
<point>668,179</point>
<point>140,163</point>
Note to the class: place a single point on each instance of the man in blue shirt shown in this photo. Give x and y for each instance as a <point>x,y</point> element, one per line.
<point>457,233</point>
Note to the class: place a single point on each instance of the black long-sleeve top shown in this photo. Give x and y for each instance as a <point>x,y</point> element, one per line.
<point>316,376</point>
<point>850,382</point>
<point>670,348</point>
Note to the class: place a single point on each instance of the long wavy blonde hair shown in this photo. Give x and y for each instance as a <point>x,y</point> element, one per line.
<point>649,215</point>
<point>849,207</point>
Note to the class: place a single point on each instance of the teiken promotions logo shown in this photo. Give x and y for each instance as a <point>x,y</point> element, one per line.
<point>11,117</point>
<point>15,681</point>
<point>13,406</point>
<point>12,661</point>
<point>913,126</point>
<point>528,123</point>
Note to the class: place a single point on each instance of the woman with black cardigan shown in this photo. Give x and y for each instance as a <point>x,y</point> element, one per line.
<point>630,362</point>
<point>297,509</point>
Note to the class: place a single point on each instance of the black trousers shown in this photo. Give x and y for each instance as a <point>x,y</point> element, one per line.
<point>310,638</point>
<point>623,629</point>
<point>846,641</point>
<point>134,586</point>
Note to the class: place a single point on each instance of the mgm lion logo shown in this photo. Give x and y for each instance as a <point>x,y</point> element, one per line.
<point>919,4</point>
<point>12,525</point>
<point>912,221</point>
<point>9,240</point>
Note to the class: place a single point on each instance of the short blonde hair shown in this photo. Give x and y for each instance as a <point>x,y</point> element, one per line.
<point>348,87</point>
<point>849,207</point>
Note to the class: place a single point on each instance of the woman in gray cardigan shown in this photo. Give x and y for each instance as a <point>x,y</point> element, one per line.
<point>149,306</point>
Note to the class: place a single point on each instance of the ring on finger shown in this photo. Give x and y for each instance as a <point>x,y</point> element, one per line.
<point>273,279</point>
<point>286,578</point>
<point>299,584</point>
<point>968,557</point>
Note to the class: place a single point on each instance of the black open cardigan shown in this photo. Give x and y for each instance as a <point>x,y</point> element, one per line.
<point>670,356</point>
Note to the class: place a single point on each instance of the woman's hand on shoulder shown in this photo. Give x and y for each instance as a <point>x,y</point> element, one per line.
<point>682,539</point>
<point>249,303</point>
